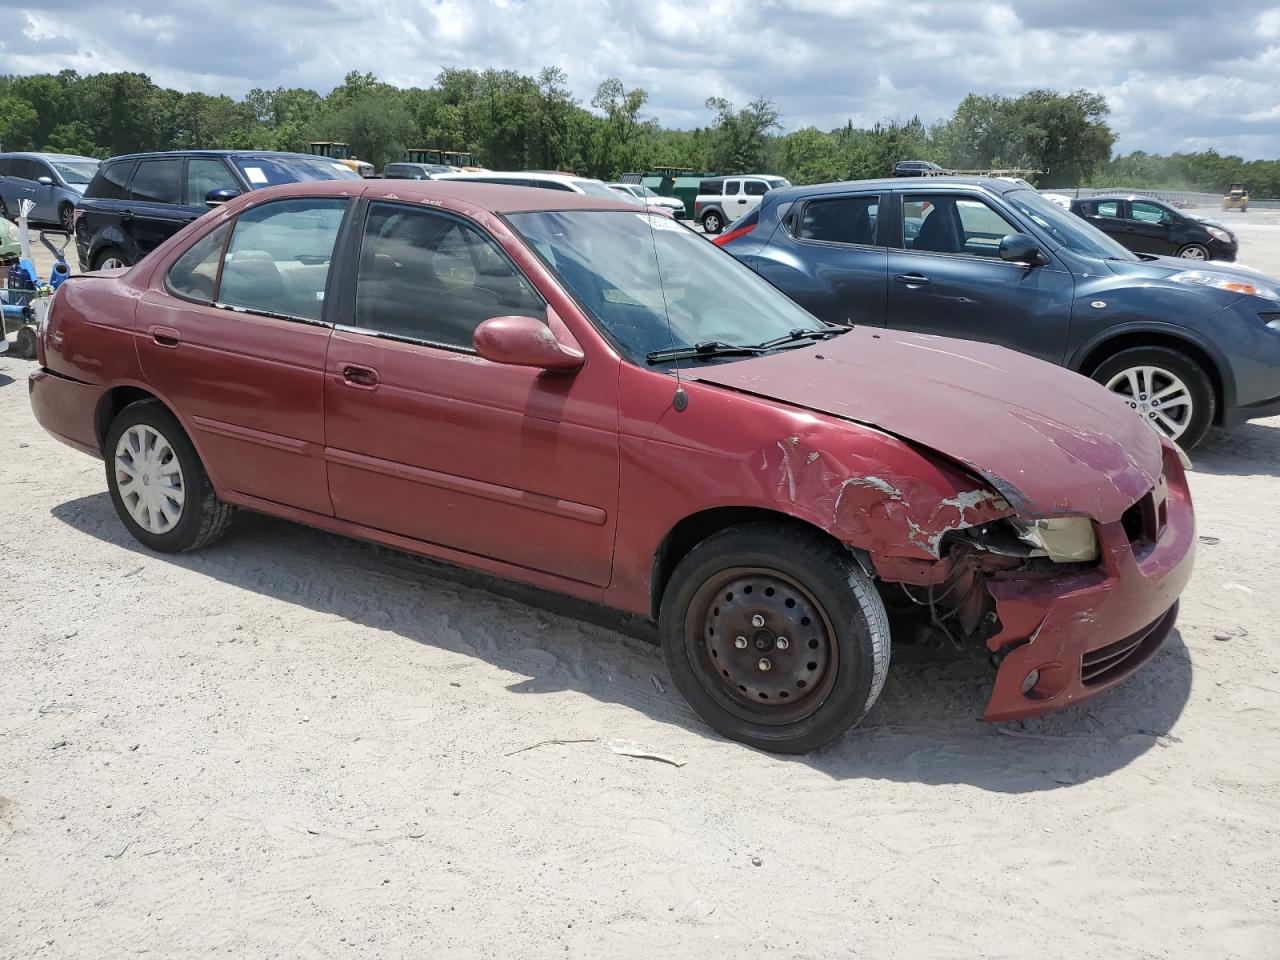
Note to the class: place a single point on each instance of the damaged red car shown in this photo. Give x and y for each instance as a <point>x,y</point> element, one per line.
<point>565,391</point>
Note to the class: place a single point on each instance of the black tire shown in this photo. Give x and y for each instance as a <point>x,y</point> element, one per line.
<point>203,518</point>
<point>843,647</point>
<point>713,221</point>
<point>1194,251</point>
<point>66,215</point>
<point>24,344</point>
<point>1193,376</point>
<point>110,253</point>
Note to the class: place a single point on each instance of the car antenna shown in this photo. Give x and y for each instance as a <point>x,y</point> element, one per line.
<point>681,399</point>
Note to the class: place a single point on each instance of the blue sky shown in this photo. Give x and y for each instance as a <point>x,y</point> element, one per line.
<point>1179,75</point>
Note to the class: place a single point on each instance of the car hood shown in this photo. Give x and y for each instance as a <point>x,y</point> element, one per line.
<point>1051,442</point>
<point>1162,268</point>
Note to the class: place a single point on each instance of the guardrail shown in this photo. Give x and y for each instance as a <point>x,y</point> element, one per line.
<point>1194,200</point>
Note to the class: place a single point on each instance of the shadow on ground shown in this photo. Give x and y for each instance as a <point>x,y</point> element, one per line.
<point>1251,449</point>
<point>923,729</point>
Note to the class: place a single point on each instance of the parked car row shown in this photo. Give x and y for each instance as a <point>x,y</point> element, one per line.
<point>54,182</point>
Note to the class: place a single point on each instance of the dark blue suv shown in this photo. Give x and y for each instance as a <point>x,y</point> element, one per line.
<point>137,202</point>
<point>1185,345</point>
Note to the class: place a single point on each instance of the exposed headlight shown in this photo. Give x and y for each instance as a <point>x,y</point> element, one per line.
<point>1204,278</point>
<point>1219,234</point>
<point>1063,539</point>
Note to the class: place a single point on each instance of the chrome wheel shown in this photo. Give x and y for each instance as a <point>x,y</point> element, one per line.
<point>1156,395</point>
<point>761,645</point>
<point>149,479</point>
<point>1193,252</point>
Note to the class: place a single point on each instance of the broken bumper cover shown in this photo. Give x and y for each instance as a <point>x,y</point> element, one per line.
<point>1067,638</point>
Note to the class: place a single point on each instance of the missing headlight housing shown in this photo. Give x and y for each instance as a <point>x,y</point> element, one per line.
<point>1063,539</point>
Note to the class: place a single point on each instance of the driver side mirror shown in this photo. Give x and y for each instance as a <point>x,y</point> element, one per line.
<point>524,342</point>
<point>216,198</point>
<point>45,181</point>
<point>1022,248</point>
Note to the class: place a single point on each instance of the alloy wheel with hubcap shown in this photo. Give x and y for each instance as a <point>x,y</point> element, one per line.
<point>712,223</point>
<point>1156,395</point>
<point>1193,252</point>
<point>149,479</point>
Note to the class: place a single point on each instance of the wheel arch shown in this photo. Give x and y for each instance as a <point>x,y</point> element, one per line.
<point>697,527</point>
<point>1093,355</point>
<point>112,402</point>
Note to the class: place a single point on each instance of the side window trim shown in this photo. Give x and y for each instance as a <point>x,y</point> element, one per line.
<point>350,253</point>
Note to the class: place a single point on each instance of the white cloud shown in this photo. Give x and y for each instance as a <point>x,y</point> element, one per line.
<point>1176,78</point>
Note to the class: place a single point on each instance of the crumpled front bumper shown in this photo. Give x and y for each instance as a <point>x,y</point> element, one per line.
<point>1066,638</point>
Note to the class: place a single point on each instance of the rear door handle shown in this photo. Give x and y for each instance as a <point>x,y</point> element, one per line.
<point>364,378</point>
<point>742,201</point>
<point>912,279</point>
<point>165,336</point>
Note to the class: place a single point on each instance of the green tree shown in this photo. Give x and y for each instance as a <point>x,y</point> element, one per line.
<point>739,137</point>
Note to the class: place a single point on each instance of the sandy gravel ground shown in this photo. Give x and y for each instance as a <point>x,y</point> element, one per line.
<point>292,745</point>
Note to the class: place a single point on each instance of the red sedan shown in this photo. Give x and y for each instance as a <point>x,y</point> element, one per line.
<point>568,392</point>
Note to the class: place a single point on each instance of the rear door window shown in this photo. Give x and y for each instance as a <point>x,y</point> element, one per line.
<point>1106,208</point>
<point>112,181</point>
<point>157,181</point>
<point>278,259</point>
<point>839,220</point>
<point>195,273</point>
<point>205,174</point>
<point>755,188</point>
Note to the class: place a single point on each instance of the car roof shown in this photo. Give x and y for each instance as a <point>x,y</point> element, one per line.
<point>514,175</point>
<point>493,197</point>
<point>218,153</point>
<point>45,156</point>
<point>916,184</point>
<point>1123,196</point>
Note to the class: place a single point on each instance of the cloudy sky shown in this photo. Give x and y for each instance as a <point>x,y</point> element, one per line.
<point>1179,74</point>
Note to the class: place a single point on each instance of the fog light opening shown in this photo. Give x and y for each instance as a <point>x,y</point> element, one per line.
<point>1029,682</point>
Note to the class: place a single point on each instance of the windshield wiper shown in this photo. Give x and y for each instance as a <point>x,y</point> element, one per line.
<point>704,350</point>
<point>799,334</point>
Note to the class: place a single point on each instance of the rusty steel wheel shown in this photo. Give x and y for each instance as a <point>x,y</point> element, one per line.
<point>761,645</point>
<point>775,635</point>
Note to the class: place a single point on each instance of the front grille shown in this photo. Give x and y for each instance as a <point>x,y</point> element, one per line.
<point>1145,520</point>
<point>1115,660</point>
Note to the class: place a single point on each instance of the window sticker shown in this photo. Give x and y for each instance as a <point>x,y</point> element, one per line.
<point>659,222</point>
<point>255,175</point>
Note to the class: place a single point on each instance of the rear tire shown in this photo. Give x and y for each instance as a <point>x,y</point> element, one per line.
<point>712,222</point>
<point>24,344</point>
<point>158,485</point>
<point>775,636</point>
<point>1141,374</point>
<point>109,258</point>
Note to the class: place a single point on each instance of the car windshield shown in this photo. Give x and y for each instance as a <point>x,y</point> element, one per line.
<point>1066,228</point>
<point>76,171</point>
<point>270,171</point>
<point>645,191</point>
<point>655,285</point>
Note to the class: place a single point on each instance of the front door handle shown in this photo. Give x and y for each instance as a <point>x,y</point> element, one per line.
<point>365,378</point>
<point>912,279</point>
<point>165,336</point>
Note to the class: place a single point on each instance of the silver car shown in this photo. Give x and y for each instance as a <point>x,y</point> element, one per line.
<point>54,181</point>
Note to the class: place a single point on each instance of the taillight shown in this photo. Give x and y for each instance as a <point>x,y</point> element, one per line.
<point>724,238</point>
<point>697,207</point>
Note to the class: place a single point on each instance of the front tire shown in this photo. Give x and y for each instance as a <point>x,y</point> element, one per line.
<point>712,222</point>
<point>1194,251</point>
<point>775,636</point>
<point>158,485</point>
<point>1166,388</point>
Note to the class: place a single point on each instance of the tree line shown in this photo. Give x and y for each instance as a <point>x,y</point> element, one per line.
<point>516,121</point>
